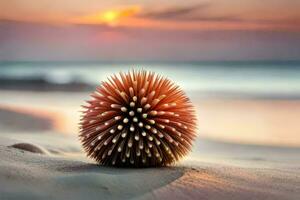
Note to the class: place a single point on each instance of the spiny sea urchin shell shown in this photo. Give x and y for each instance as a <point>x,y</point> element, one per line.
<point>138,119</point>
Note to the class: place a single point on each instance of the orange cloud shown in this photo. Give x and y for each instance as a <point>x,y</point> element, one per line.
<point>110,17</point>
<point>195,17</point>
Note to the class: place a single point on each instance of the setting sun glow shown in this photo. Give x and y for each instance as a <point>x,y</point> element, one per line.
<point>110,17</point>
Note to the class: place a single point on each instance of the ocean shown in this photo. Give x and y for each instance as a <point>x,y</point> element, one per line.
<point>247,79</point>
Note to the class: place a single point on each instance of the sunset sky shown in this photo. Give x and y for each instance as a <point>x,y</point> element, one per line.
<point>150,30</point>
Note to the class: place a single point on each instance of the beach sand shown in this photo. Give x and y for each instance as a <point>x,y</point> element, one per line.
<point>37,175</point>
<point>40,158</point>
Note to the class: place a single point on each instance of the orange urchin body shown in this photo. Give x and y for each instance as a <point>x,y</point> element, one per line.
<point>138,119</point>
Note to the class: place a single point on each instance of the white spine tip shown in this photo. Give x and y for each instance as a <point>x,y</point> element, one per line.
<point>134,98</point>
<point>117,117</point>
<point>135,119</point>
<point>136,137</point>
<point>132,104</point>
<point>147,106</point>
<point>141,124</point>
<point>152,121</point>
<point>131,113</point>
<point>125,120</point>
<point>112,131</point>
<point>143,100</point>
<point>123,109</point>
<point>145,115</point>
<point>144,133</point>
<point>139,110</point>
<point>120,127</point>
<point>131,128</point>
<point>147,126</point>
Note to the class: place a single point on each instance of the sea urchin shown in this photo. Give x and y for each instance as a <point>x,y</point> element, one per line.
<point>137,119</point>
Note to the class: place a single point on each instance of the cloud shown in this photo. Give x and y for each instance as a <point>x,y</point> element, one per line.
<point>201,13</point>
<point>186,13</point>
<point>173,12</point>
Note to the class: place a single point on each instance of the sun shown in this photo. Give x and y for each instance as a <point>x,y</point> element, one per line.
<point>110,17</point>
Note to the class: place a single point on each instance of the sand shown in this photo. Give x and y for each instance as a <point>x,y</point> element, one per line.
<point>31,175</point>
<point>44,162</point>
<point>224,182</point>
<point>25,175</point>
